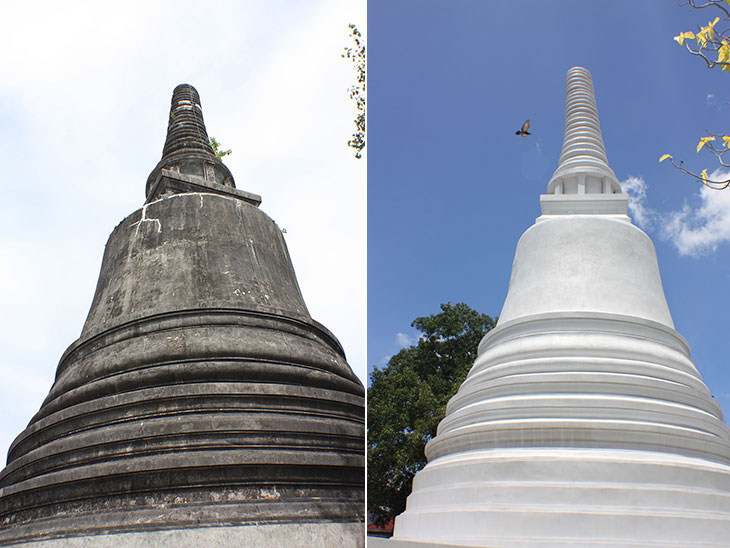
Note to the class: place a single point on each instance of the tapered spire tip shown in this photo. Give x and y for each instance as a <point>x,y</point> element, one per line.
<point>583,165</point>
<point>187,151</point>
<point>186,128</point>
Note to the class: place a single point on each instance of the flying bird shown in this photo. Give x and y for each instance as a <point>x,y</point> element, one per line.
<point>523,131</point>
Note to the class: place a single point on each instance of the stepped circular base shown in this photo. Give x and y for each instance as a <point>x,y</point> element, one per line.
<point>325,535</point>
<point>200,394</point>
<point>577,430</point>
<point>550,498</point>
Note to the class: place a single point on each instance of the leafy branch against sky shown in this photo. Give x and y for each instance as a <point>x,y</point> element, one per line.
<point>711,45</point>
<point>357,92</point>
<point>218,149</point>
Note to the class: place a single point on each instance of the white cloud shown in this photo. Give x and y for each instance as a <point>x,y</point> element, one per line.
<point>711,101</point>
<point>403,340</point>
<point>693,230</point>
<point>698,230</point>
<point>642,215</point>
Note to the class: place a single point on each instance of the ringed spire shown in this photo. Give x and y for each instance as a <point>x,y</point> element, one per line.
<point>185,127</point>
<point>583,166</point>
<point>187,154</point>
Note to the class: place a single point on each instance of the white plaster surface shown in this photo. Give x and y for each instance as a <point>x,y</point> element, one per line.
<point>376,542</point>
<point>585,263</point>
<point>325,535</point>
<point>577,429</point>
<point>570,204</point>
<point>582,430</point>
<point>580,498</point>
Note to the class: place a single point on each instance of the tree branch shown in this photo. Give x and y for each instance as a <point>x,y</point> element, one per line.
<point>692,4</point>
<point>714,185</point>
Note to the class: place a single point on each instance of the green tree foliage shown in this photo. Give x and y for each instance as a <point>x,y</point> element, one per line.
<point>407,399</point>
<point>711,43</point>
<point>217,149</point>
<point>357,92</point>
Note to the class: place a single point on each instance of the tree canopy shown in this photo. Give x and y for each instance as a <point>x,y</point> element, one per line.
<point>407,399</point>
<point>711,44</point>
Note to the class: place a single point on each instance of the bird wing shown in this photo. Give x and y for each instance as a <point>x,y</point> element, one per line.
<point>525,126</point>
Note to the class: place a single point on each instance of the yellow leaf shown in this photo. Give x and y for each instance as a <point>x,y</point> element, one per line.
<point>726,138</point>
<point>723,54</point>
<point>704,175</point>
<point>711,28</point>
<point>702,37</point>
<point>665,156</point>
<point>683,35</point>
<point>704,141</point>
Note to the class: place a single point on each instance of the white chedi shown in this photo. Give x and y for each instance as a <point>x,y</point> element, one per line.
<point>583,421</point>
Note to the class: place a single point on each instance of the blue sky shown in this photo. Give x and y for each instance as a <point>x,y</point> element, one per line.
<point>451,188</point>
<point>85,92</point>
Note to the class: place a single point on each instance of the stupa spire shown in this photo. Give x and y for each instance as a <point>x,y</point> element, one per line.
<point>583,166</point>
<point>188,163</point>
<point>186,128</point>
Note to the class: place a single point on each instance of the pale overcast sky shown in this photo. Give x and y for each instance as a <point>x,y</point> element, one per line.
<point>85,92</point>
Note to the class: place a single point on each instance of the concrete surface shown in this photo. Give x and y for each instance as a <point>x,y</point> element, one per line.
<point>324,535</point>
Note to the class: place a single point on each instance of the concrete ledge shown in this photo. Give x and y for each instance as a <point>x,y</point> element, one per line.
<point>169,183</point>
<point>576,204</point>
<point>325,535</point>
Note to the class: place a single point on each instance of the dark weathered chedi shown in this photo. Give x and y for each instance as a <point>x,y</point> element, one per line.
<point>201,392</point>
